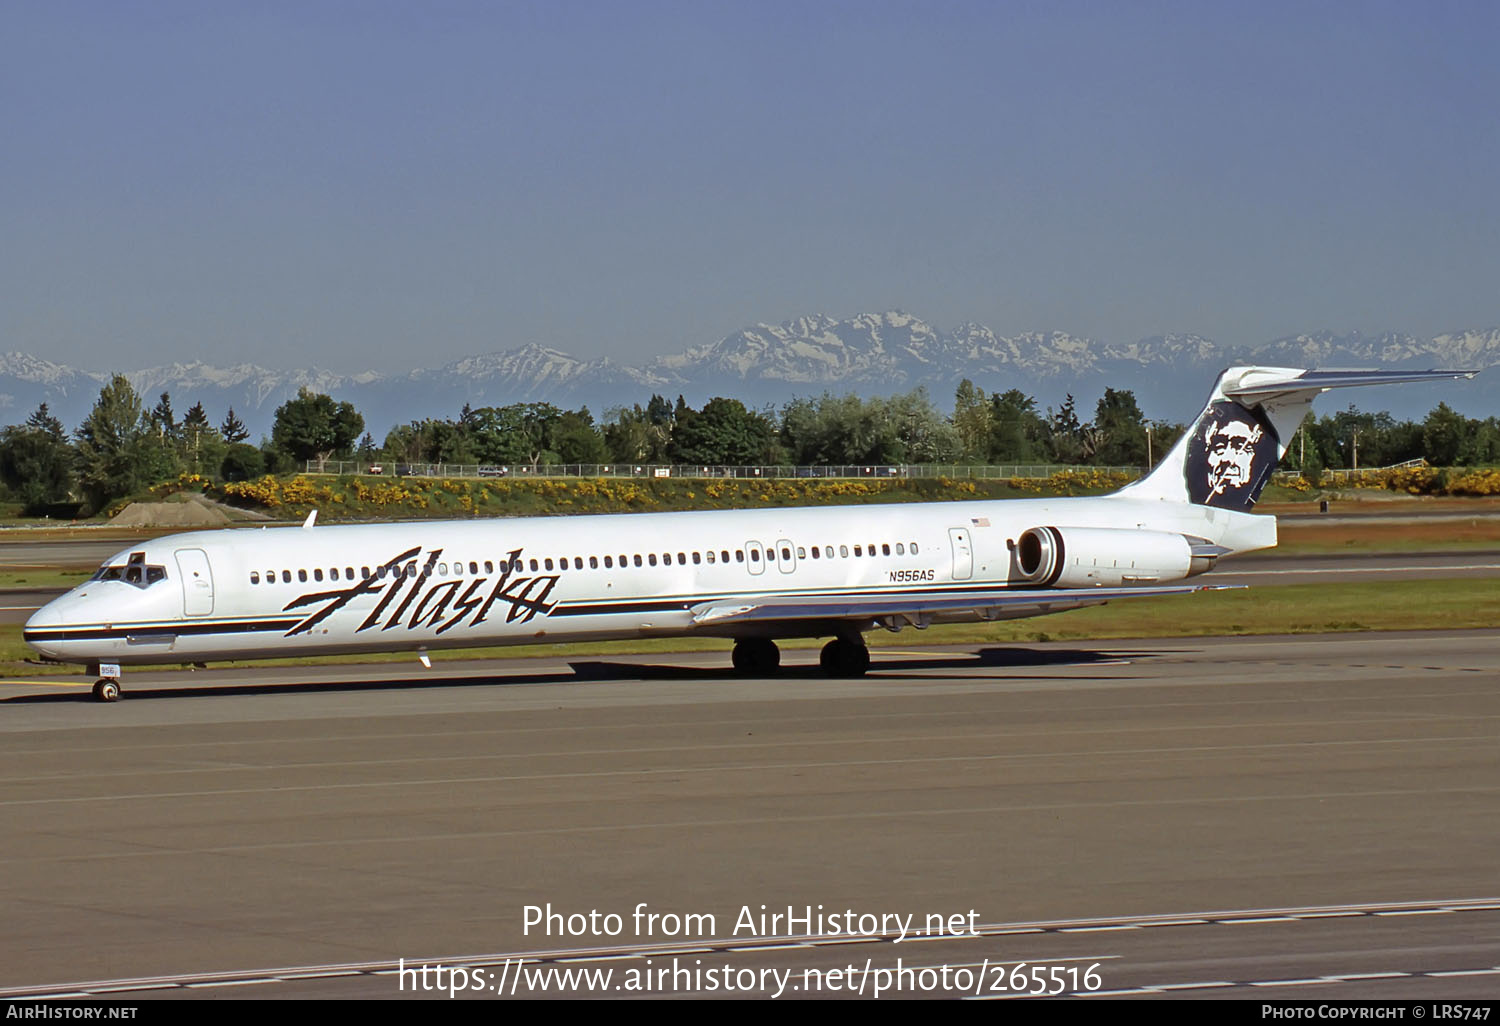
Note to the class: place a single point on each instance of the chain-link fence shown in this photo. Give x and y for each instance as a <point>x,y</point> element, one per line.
<point>523,471</point>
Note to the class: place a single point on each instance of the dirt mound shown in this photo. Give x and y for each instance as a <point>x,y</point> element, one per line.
<point>170,514</point>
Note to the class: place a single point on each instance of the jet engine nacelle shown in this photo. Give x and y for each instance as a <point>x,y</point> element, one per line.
<point>1081,557</point>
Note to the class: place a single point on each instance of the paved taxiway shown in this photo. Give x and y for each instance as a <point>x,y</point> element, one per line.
<point>231,821</point>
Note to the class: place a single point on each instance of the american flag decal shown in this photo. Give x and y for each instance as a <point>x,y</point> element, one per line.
<point>980,521</point>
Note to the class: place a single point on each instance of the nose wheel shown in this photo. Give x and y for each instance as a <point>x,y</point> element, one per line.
<point>107,689</point>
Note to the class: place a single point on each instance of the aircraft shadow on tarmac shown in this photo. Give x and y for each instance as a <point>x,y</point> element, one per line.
<point>903,668</point>
<point>881,669</point>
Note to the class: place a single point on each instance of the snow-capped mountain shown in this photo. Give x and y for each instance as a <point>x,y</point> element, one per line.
<point>767,364</point>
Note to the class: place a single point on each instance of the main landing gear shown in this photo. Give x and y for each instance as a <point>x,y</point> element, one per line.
<point>756,657</point>
<point>842,657</point>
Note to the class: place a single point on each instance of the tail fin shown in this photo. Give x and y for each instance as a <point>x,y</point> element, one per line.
<point>1230,452</point>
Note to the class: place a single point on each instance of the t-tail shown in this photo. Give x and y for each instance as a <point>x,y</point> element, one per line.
<point>1229,454</point>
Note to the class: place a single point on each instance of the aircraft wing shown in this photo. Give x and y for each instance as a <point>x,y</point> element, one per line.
<point>918,609</point>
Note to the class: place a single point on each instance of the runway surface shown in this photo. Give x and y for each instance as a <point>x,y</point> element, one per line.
<point>1208,817</point>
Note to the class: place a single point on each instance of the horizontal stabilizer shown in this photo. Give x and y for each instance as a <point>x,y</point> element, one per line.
<point>1258,385</point>
<point>1001,604</point>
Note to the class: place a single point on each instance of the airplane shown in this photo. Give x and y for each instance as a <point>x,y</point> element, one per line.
<point>752,576</point>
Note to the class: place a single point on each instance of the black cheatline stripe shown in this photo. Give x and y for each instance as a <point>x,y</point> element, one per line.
<point>596,608</point>
<point>168,631</point>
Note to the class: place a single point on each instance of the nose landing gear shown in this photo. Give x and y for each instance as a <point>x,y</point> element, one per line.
<point>107,687</point>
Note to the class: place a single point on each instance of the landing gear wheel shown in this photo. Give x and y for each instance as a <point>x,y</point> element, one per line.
<point>756,657</point>
<point>843,658</point>
<point>107,690</point>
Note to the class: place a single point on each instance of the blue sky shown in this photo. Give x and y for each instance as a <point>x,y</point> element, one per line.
<point>391,185</point>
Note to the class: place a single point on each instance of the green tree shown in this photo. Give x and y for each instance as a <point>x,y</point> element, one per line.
<point>1120,429</point>
<point>242,463</point>
<point>1443,435</point>
<point>161,419</point>
<point>36,462</point>
<point>923,434</point>
<point>639,435</point>
<point>518,433</point>
<point>840,430</point>
<point>116,453</point>
<point>42,420</point>
<point>577,440</point>
<point>313,426</point>
<point>1018,434</point>
<point>233,429</point>
<point>202,447</point>
<point>1065,437</point>
<point>972,419</point>
<point>723,433</point>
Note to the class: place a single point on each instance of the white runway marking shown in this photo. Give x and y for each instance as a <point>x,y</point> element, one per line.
<point>1359,570</point>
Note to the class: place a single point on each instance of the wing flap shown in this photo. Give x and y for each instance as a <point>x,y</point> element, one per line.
<point>1000,604</point>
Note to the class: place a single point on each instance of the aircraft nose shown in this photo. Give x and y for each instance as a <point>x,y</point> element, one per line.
<point>41,632</point>
<point>47,616</point>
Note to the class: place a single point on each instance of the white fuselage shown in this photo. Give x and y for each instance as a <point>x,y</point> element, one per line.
<point>275,592</point>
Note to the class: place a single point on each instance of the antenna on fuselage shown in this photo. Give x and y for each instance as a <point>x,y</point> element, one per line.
<point>311,517</point>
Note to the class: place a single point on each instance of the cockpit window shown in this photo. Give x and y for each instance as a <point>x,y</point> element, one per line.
<point>135,571</point>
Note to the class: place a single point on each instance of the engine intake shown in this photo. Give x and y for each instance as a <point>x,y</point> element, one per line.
<point>1082,557</point>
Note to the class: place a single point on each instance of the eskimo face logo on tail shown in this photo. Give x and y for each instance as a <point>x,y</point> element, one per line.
<point>1230,456</point>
